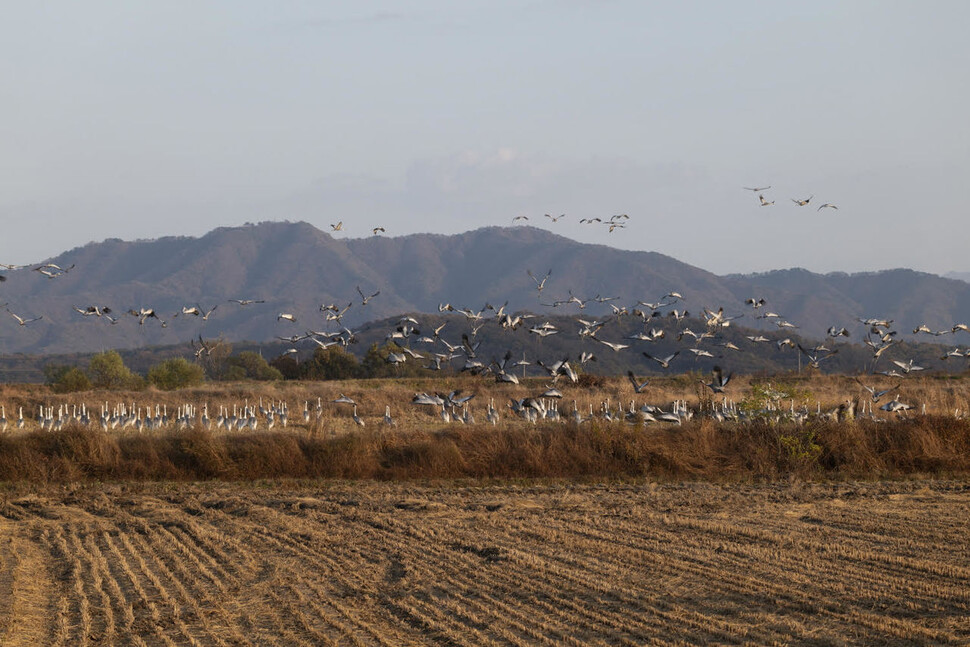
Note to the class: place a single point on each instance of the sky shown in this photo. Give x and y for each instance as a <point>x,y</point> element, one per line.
<point>141,120</point>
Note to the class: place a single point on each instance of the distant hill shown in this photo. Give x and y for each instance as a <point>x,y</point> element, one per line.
<point>295,268</point>
<point>959,276</point>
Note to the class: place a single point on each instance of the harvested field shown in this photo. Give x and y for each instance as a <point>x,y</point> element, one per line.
<point>365,563</point>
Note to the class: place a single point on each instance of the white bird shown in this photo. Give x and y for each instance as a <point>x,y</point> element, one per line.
<point>322,344</point>
<point>907,367</point>
<point>555,218</point>
<point>396,358</point>
<point>956,352</point>
<point>817,358</point>
<point>204,349</point>
<point>246,302</point>
<point>895,405</point>
<point>873,393</point>
<point>764,201</point>
<point>828,205</point>
<point>388,420</point>
<point>22,321</point>
<point>425,399</point>
<point>664,361</point>
<point>802,203</point>
<point>336,315</point>
<point>357,419</point>
<point>637,386</point>
<point>756,189</point>
<point>378,230</point>
<point>343,399</point>
<point>93,310</point>
<point>52,271</point>
<point>517,218</point>
<point>365,299</point>
<point>718,319</point>
<point>539,284</point>
<point>287,316</point>
<point>719,382</point>
<point>544,330</point>
<point>338,227</point>
<point>926,329</point>
<point>700,352</point>
<point>616,347</point>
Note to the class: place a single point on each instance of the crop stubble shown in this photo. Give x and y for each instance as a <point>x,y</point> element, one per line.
<point>460,563</point>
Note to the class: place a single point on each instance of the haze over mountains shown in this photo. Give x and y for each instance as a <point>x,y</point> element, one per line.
<point>295,268</point>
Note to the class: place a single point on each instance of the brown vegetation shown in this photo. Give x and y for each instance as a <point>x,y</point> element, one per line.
<point>706,450</point>
<point>421,446</point>
<point>530,563</point>
<point>554,533</point>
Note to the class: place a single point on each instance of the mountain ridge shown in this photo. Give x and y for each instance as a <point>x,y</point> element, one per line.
<point>296,268</point>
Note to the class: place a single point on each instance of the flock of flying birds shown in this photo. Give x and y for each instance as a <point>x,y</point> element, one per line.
<point>612,223</point>
<point>435,352</point>
<point>801,202</point>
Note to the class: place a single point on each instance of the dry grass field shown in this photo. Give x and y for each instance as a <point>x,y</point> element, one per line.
<point>602,532</point>
<point>455,563</point>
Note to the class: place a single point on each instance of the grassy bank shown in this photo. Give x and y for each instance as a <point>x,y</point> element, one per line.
<point>701,450</point>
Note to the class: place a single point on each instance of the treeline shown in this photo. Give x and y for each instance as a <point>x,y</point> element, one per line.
<point>108,370</point>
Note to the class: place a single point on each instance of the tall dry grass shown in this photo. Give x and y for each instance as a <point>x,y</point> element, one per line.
<point>702,450</point>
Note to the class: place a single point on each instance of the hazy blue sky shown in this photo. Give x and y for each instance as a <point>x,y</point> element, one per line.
<point>137,120</point>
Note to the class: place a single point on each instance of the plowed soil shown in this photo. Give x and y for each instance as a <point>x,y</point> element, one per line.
<point>549,563</point>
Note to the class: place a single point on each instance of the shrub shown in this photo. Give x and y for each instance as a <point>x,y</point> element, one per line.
<point>375,363</point>
<point>764,396</point>
<point>66,379</point>
<point>288,367</point>
<point>175,373</point>
<point>253,367</point>
<point>332,363</point>
<point>72,381</point>
<point>108,371</point>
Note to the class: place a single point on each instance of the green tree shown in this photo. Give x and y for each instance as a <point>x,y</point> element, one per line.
<point>175,373</point>
<point>108,371</point>
<point>375,363</point>
<point>287,366</point>
<point>54,372</point>
<point>251,366</point>
<point>333,363</point>
<point>67,379</point>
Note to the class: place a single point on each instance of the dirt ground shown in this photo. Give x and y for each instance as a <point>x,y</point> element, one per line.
<point>494,564</point>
